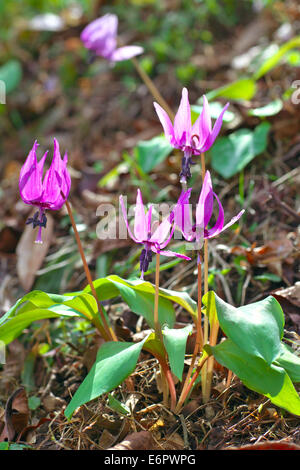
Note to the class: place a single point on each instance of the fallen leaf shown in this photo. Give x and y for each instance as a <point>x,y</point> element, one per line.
<point>30,255</point>
<point>16,415</point>
<point>142,440</point>
<point>268,445</point>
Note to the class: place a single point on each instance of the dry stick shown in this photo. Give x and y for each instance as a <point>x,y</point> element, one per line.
<point>105,330</point>
<point>198,342</point>
<point>152,88</point>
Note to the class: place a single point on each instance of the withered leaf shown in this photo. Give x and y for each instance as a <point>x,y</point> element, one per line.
<point>16,415</point>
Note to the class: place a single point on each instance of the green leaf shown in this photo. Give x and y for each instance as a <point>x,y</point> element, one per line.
<point>289,362</point>
<point>209,303</point>
<point>232,153</point>
<point>117,406</point>
<point>272,61</point>
<point>243,89</point>
<point>38,305</point>
<point>15,326</point>
<point>269,380</point>
<point>151,152</point>
<point>139,296</point>
<point>115,362</point>
<point>175,343</point>
<point>255,328</point>
<point>11,75</point>
<point>270,109</point>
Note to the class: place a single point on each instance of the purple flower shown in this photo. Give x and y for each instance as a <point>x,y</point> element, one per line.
<point>191,139</point>
<point>204,210</point>
<point>100,36</point>
<point>155,240</point>
<point>48,193</point>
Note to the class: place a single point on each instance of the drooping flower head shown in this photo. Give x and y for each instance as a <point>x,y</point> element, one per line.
<point>204,210</point>
<point>153,240</point>
<point>48,193</point>
<point>100,36</point>
<point>191,139</point>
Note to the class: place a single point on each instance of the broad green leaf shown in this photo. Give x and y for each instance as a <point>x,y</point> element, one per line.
<point>11,74</point>
<point>139,295</point>
<point>115,362</point>
<point>269,380</point>
<point>154,346</point>
<point>232,153</point>
<point>255,328</point>
<point>150,153</point>
<point>289,362</point>
<point>15,326</point>
<point>243,89</point>
<point>175,344</point>
<point>269,109</point>
<point>38,305</point>
<point>272,61</point>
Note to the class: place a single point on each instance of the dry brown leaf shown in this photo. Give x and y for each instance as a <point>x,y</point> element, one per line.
<point>142,440</point>
<point>268,445</point>
<point>30,255</point>
<point>16,415</point>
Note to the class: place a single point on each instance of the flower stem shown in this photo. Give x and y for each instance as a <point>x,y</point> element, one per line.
<point>105,330</point>
<point>206,325</point>
<point>190,385</point>
<point>157,327</point>
<point>152,88</point>
<point>199,338</point>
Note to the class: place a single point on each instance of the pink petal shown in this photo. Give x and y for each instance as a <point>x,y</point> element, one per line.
<point>182,121</point>
<point>162,232</point>
<point>30,183</point>
<point>140,221</point>
<point>124,212</point>
<point>204,207</point>
<point>165,121</point>
<point>218,227</point>
<point>170,253</point>
<point>125,53</point>
<point>202,126</point>
<point>107,24</point>
<point>217,127</point>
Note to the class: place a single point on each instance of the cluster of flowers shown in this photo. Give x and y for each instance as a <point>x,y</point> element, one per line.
<point>51,192</point>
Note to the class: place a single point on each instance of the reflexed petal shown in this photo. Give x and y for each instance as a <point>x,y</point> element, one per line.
<point>182,121</point>
<point>162,232</point>
<point>29,165</point>
<point>140,221</point>
<point>182,215</point>
<point>170,253</point>
<point>124,212</point>
<point>125,53</point>
<point>218,227</point>
<point>233,220</point>
<point>165,121</point>
<point>204,207</point>
<point>202,126</point>
<point>217,127</point>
